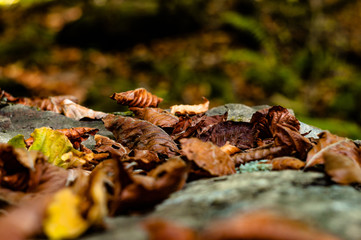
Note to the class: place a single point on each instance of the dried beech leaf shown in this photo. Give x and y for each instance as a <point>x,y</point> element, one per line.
<point>139,97</point>
<point>230,149</point>
<point>76,111</point>
<point>330,142</point>
<point>263,224</point>
<point>140,134</point>
<point>47,104</point>
<point>162,229</point>
<point>341,168</point>
<point>197,124</point>
<point>157,116</point>
<point>283,163</point>
<point>138,191</point>
<point>190,109</point>
<point>207,156</point>
<point>105,144</point>
<point>24,221</point>
<point>54,145</point>
<point>78,134</point>
<point>265,152</point>
<point>239,134</point>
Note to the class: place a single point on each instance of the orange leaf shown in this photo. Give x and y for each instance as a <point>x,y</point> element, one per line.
<point>341,168</point>
<point>263,224</point>
<point>230,149</point>
<point>139,97</point>
<point>264,152</point>
<point>156,116</point>
<point>190,109</point>
<point>207,156</point>
<point>283,163</point>
<point>140,134</point>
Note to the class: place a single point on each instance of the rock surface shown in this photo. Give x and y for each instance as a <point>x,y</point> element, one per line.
<point>306,196</point>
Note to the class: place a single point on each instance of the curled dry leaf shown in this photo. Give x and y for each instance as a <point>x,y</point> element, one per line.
<point>139,192</point>
<point>283,163</point>
<point>139,97</point>
<point>239,134</point>
<point>197,124</point>
<point>264,152</point>
<point>157,116</point>
<point>163,229</point>
<point>140,134</point>
<point>76,111</point>
<point>208,157</point>
<point>341,168</point>
<point>230,149</point>
<point>330,142</point>
<point>190,109</point>
<point>106,145</point>
<point>263,224</point>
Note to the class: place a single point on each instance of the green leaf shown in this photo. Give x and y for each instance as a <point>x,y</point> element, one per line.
<point>54,145</point>
<point>18,141</point>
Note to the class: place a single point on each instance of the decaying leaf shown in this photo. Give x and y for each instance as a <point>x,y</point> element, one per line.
<point>239,134</point>
<point>330,142</point>
<point>208,157</point>
<point>104,144</point>
<point>341,168</point>
<point>78,134</point>
<point>76,111</point>
<point>230,149</point>
<point>47,104</point>
<point>139,97</point>
<point>139,192</point>
<point>190,109</point>
<point>157,116</point>
<point>140,134</point>
<point>264,152</point>
<point>283,163</point>
<point>195,125</point>
<point>263,224</point>
<point>54,145</point>
<point>163,229</point>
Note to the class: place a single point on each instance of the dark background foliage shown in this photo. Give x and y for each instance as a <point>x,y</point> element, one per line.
<point>300,54</point>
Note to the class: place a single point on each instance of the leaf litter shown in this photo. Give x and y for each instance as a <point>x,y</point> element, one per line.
<point>68,189</point>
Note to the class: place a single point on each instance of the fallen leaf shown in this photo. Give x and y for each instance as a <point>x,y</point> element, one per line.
<point>207,156</point>
<point>330,142</point>
<point>18,141</point>
<point>76,111</point>
<point>239,134</point>
<point>163,229</point>
<point>264,152</point>
<point>283,163</point>
<point>190,109</point>
<point>139,97</point>
<point>157,116</point>
<point>77,135</point>
<point>341,168</point>
<point>262,224</point>
<point>140,134</point>
<point>105,144</point>
<point>230,149</point>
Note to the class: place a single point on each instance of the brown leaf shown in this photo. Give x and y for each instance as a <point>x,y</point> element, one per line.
<point>162,229</point>
<point>239,134</point>
<point>330,142</point>
<point>139,97</point>
<point>264,152</point>
<point>230,149</point>
<point>25,221</point>
<point>76,111</point>
<point>78,134</point>
<point>263,224</point>
<point>190,109</point>
<point>341,168</point>
<point>140,134</point>
<point>138,192</point>
<point>156,116</point>
<point>207,156</point>
<point>197,124</point>
<point>283,163</point>
<point>105,144</point>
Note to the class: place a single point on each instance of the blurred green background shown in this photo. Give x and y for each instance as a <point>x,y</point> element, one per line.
<point>300,54</point>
